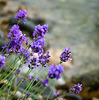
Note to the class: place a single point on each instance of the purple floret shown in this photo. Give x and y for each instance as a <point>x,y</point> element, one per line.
<point>76,88</point>
<point>55,71</point>
<point>40,31</point>
<point>33,62</point>
<point>44,59</point>
<point>21,16</point>
<point>17,72</point>
<point>45,82</point>
<point>30,77</point>
<point>16,39</point>
<point>2,61</point>
<point>66,55</point>
<point>25,53</point>
<point>56,93</point>
<point>15,32</point>
<point>36,79</point>
<point>28,95</point>
<point>37,46</point>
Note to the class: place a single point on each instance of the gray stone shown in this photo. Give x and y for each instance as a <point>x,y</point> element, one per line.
<point>89,81</point>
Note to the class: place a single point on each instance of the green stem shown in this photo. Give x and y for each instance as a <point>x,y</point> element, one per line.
<point>10,72</point>
<point>10,78</point>
<point>10,88</point>
<point>51,90</point>
<point>29,86</point>
<point>62,96</point>
<point>3,75</point>
<point>7,84</point>
<point>35,85</point>
<point>6,48</point>
<point>42,90</point>
<point>37,89</point>
<point>19,84</point>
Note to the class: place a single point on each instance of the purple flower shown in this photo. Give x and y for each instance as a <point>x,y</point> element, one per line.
<point>15,42</point>
<point>10,45</point>
<point>55,71</point>
<point>17,72</point>
<point>40,31</point>
<point>25,53</point>
<point>45,82</point>
<point>27,41</point>
<point>37,46</point>
<point>66,55</point>
<point>30,77</point>
<point>36,79</point>
<point>21,16</point>
<point>2,61</point>
<point>43,59</point>
<point>15,32</point>
<point>57,93</point>
<point>33,62</point>
<point>27,95</point>
<point>22,39</point>
<point>76,88</point>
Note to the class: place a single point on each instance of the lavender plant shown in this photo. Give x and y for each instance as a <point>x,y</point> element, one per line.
<point>33,55</point>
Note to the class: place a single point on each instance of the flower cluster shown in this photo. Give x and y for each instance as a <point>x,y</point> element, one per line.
<point>37,46</point>
<point>33,55</point>
<point>66,55</point>
<point>2,60</point>
<point>56,94</point>
<point>16,39</point>
<point>17,72</point>
<point>40,31</point>
<point>76,88</point>
<point>21,16</point>
<point>55,71</point>
<point>25,53</point>
<point>44,59</point>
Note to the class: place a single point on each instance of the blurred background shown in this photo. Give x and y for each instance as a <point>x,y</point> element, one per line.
<point>71,23</point>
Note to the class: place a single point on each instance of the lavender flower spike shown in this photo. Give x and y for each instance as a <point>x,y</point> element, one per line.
<point>76,88</point>
<point>2,60</point>
<point>55,71</point>
<point>21,16</point>
<point>66,55</point>
<point>56,93</point>
<point>40,31</point>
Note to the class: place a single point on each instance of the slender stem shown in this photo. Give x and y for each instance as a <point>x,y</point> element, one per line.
<point>51,90</point>
<point>13,62</point>
<point>10,87</point>
<point>10,72</point>
<point>36,85</point>
<point>37,89</point>
<point>6,48</point>
<point>20,84</point>
<point>62,96</point>
<point>29,86</point>
<point>9,79</point>
<point>3,75</point>
<point>42,90</point>
<point>6,83</point>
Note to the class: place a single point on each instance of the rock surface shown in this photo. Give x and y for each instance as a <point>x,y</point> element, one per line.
<point>90,83</point>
